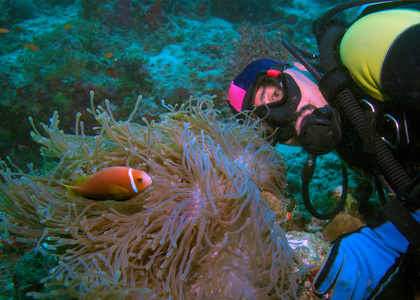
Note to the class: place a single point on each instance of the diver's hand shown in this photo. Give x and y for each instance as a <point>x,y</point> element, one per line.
<point>361,262</point>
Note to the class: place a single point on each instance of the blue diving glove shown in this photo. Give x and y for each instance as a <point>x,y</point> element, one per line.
<point>362,262</point>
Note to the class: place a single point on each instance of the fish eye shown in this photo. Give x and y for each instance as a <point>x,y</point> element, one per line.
<point>139,179</point>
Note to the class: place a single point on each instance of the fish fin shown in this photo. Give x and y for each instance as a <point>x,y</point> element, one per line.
<point>69,190</point>
<point>79,181</point>
<point>119,193</point>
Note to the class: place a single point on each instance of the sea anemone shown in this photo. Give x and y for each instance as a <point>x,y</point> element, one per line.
<point>201,230</point>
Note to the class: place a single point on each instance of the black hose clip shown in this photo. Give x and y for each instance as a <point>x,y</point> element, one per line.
<point>334,81</point>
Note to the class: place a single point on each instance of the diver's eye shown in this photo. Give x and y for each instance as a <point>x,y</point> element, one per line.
<point>268,94</point>
<point>276,96</point>
<point>139,179</point>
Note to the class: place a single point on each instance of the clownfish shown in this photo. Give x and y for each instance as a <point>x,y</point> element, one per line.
<point>113,183</point>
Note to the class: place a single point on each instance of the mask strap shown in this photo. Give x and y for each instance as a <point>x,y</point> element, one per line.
<point>236,96</point>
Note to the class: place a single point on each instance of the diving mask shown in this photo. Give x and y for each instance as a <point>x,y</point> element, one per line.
<point>273,96</point>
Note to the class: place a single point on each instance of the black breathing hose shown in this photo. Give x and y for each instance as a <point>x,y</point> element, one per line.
<point>309,166</point>
<point>307,173</point>
<point>349,107</point>
<point>302,59</point>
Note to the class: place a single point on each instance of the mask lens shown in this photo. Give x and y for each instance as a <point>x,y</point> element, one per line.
<point>268,90</point>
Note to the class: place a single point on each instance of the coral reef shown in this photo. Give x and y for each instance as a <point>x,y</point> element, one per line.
<point>341,224</point>
<point>201,230</point>
<point>31,268</point>
<point>235,11</point>
<point>324,194</point>
<point>254,42</point>
<point>169,48</point>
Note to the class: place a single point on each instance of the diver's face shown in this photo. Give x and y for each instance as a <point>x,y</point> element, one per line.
<point>311,98</point>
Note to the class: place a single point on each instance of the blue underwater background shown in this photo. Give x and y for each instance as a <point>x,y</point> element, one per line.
<point>54,52</point>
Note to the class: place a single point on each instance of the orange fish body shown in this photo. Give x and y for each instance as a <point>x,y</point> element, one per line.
<point>31,47</point>
<point>114,183</point>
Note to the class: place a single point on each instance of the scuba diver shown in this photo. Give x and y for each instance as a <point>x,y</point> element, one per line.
<point>363,104</point>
